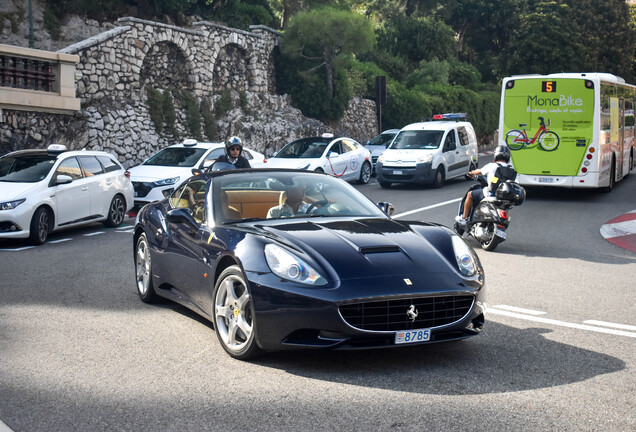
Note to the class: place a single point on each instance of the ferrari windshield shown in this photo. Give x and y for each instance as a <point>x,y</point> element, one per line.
<point>25,168</point>
<point>306,148</point>
<point>277,195</point>
<point>176,157</point>
<point>417,139</point>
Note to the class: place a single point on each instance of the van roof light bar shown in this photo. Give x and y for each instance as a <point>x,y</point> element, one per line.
<point>450,116</point>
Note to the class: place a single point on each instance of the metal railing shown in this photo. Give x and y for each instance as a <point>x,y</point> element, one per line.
<point>17,72</point>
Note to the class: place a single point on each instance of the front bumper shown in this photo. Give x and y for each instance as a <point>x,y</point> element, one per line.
<point>16,223</point>
<point>292,319</point>
<point>147,192</point>
<point>420,173</point>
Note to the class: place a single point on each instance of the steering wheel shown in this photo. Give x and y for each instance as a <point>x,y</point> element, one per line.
<point>316,204</point>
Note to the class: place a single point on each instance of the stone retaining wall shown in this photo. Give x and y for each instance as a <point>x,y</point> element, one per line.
<point>117,66</point>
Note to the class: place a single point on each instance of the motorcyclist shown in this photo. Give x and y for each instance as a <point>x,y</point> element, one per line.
<point>233,153</point>
<point>501,159</point>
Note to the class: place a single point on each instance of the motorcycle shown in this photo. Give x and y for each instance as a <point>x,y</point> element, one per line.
<point>489,220</point>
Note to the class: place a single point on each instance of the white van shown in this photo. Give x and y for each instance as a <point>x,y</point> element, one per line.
<point>429,152</point>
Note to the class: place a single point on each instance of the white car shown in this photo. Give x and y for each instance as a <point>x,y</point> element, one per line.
<point>341,157</point>
<point>166,169</point>
<point>429,152</point>
<point>44,190</point>
<point>380,143</point>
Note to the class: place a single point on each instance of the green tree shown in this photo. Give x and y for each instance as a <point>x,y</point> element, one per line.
<point>325,35</point>
<point>544,42</point>
<point>603,27</point>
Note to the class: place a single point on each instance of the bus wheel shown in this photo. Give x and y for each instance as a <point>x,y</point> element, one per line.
<point>609,187</point>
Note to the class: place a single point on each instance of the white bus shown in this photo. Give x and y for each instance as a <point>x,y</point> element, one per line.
<point>571,130</point>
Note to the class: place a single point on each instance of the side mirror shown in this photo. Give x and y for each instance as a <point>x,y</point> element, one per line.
<point>62,179</point>
<point>333,154</point>
<point>197,171</point>
<point>208,163</point>
<point>386,207</point>
<point>182,215</point>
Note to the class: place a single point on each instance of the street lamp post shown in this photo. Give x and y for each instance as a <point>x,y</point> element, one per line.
<point>31,42</point>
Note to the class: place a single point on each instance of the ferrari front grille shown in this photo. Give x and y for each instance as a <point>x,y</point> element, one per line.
<point>407,314</point>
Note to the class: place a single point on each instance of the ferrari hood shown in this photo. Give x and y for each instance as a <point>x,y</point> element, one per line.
<point>366,247</point>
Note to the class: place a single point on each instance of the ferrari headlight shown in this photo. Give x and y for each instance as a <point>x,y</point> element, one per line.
<point>466,260</point>
<point>425,159</point>
<point>286,265</point>
<point>10,205</point>
<point>166,182</point>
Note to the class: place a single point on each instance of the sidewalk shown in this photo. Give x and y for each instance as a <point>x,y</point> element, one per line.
<point>621,231</point>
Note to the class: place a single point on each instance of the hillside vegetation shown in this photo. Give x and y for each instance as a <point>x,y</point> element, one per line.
<point>438,56</point>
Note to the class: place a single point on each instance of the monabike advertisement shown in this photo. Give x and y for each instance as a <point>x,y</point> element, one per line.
<point>548,124</point>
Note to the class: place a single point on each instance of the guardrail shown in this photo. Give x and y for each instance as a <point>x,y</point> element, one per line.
<point>37,80</point>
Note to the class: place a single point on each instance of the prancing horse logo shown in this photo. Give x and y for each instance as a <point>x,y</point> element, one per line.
<point>412,313</point>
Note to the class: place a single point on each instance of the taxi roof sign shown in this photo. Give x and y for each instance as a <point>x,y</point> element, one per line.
<point>189,142</point>
<point>56,148</point>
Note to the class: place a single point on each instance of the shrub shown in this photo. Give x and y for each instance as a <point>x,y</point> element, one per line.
<point>155,108</point>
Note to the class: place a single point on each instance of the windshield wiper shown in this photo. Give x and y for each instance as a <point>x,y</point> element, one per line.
<point>235,221</point>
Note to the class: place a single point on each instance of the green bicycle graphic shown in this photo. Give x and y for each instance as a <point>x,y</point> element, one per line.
<point>548,140</point>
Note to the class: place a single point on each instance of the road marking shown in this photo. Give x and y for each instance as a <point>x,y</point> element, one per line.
<point>609,324</point>
<point>94,234</point>
<point>4,427</point>
<point>60,240</point>
<point>561,323</point>
<point>421,209</point>
<point>125,230</point>
<point>520,310</point>
<point>18,249</point>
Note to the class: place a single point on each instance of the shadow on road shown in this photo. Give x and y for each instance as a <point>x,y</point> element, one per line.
<point>503,359</point>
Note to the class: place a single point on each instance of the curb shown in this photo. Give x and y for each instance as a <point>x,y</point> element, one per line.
<point>621,231</point>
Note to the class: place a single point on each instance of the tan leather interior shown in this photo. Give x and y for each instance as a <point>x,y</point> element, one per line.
<point>254,203</point>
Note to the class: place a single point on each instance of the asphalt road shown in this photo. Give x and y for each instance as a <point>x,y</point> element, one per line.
<point>80,352</point>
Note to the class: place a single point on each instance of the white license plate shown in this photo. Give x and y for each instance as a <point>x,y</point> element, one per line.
<point>412,336</point>
<point>500,233</point>
<point>546,180</point>
<point>398,172</point>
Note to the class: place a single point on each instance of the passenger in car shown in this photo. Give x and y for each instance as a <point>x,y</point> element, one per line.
<point>293,203</point>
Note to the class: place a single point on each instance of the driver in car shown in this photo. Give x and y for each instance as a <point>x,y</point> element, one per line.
<point>294,203</point>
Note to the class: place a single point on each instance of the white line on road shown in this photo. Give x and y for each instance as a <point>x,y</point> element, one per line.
<point>520,310</point>
<point>421,209</point>
<point>94,234</point>
<point>18,249</point>
<point>609,324</point>
<point>4,427</point>
<point>60,240</point>
<point>560,323</point>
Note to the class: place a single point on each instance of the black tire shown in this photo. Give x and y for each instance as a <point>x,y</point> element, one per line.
<point>384,185</point>
<point>494,240</point>
<point>143,271</point>
<point>438,182</point>
<point>234,320</point>
<point>608,188</point>
<point>365,173</point>
<point>116,211</point>
<point>41,226</point>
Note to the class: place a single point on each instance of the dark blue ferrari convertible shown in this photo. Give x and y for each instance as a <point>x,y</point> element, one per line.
<point>287,259</point>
